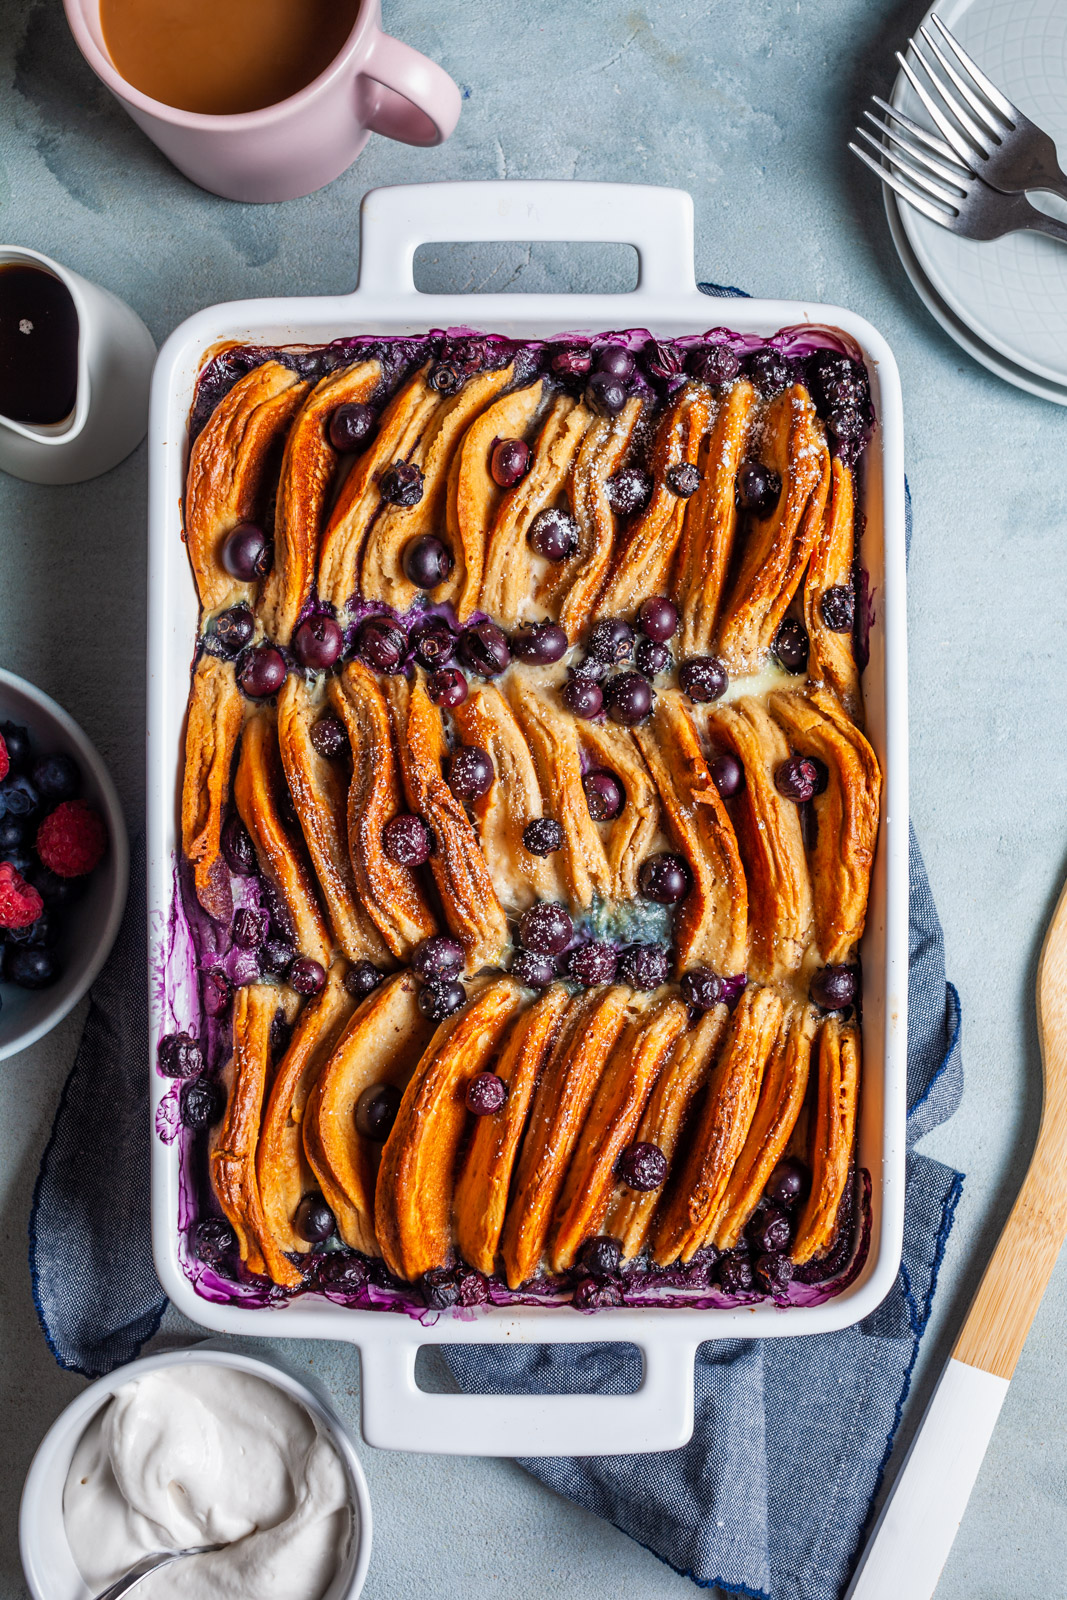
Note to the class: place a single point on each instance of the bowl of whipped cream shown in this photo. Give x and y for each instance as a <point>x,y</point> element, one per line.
<point>190,1448</point>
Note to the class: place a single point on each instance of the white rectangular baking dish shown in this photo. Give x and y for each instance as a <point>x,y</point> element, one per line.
<point>659,224</point>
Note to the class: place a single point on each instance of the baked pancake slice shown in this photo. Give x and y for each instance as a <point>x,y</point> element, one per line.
<point>359,501</point>
<point>711,928</point>
<point>473,494</point>
<point>319,797</point>
<point>507,581</point>
<point>770,839</point>
<point>416,1180</point>
<point>833,1136</point>
<point>213,726</point>
<point>390,894</point>
<point>303,489</point>
<point>485,1176</point>
<point>640,564</point>
<point>693,1209</point>
<point>846,815</point>
<point>472,910</point>
<point>282,1169</point>
<point>777,547</point>
<point>785,1082</point>
<point>833,660</point>
<point>591,1028</point>
<point>643,1051</point>
<point>630,1215</point>
<point>382,577</point>
<point>631,833</point>
<point>381,1044</point>
<point>711,523</point>
<point>230,469</point>
<point>260,792</point>
<point>485,719</point>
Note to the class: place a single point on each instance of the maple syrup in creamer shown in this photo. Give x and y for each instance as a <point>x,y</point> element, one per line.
<point>221,57</point>
<point>38,345</point>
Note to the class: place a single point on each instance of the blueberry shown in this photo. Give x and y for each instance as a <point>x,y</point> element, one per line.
<point>796,778</point>
<point>41,934</point>
<point>652,659</point>
<point>542,643</point>
<point>701,988</point>
<point>537,972</point>
<point>438,1000</point>
<point>484,649</point>
<point>543,836</point>
<point>593,1294</point>
<point>318,643</point>
<point>758,488</point>
<point>402,484</point>
<point>22,862</point>
<point>473,1289</point>
<point>328,736</point>
<point>427,561</point>
<point>281,1033</point>
<point>611,641</point>
<point>769,371</point>
<point>787,1183</point>
<point>341,1270</point>
<point>791,645</point>
<point>314,1221</point>
<point>56,778</point>
<point>834,988</point>
<point>376,1111</point>
<point>216,992</point>
<point>629,491</point>
<point>582,697</point>
<point>553,534</point>
<point>361,979</point>
<point>774,1273</point>
<point>664,878</point>
<point>381,644</point>
<point>448,688</point>
<point>716,364</point>
<point>703,678</point>
<point>770,1231</point>
<point>54,890</point>
<point>593,963</point>
<point>262,672</point>
<point>438,957</point>
<point>248,928</point>
<point>643,1166</point>
<point>406,840</point>
<point>247,553</point>
<point>433,643</point>
<point>684,479</point>
<point>213,1240</point>
<point>546,928</point>
<point>590,668</point>
<point>179,1056</point>
<point>12,834</point>
<point>604,795</point>
<point>645,966</point>
<point>234,629</point>
<point>510,461</point>
<point>306,976</point>
<point>734,1273</point>
<point>237,847</point>
<point>276,957</point>
<point>629,698</point>
<point>439,1289</point>
<point>658,618</point>
<point>486,1094</point>
<point>17,741</point>
<point>571,363</point>
<point>846,423</point>
<point>615,361</point>
<point>838,608</point>
<point>202,1103</point>
<point>352,425</point>
<point>19,797</point>
<point>606,394</point>
<point>470,772</point>
<point>728,775</point>
<point>600,1256</point>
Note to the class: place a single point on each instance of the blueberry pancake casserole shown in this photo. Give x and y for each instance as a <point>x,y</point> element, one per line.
<point>527,822</point>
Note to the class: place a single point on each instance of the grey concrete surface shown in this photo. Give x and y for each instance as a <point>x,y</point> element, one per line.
<point>746,103</point>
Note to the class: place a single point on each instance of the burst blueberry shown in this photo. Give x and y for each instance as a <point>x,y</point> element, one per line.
<point>484,648</point>
<point>179,1056</point>
<point>237,847</point>
<point>234,629</point>
<point>643,1166</point>
<point>213,1241</point>
<point>683,479</point>
<point>202,1103</point>
<point>543,836</point>
<point>433,643</point>
<point>351,426</point>
<point>605,394</point>
<point>701,988</point>
<point>486,1094</point>
<point>248,928</point>
<point>593,963</point>
<point>645,966</point>
<point>439,1000</point>
<point>402,484</point>
<point>769,1231</point>
<point>600,1256</point>
<point>381,644</point>
<point>796,778</point>
<point>362,978</point>
<point>318,643</point>
<point>715,364</point>
<point>604,795</point>
<point>447,688</point>
<point>838,608</point>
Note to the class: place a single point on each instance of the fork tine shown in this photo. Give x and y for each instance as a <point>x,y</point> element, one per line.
<point>951,174</point>
<point>999,101</point>
<point>905,192</point>
<point>978,137</point>
<point>982,112</point>
<point>924,136</point>
<point>969,156</point>
<point>899,164</point>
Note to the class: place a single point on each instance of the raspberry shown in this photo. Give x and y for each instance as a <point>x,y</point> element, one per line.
<point>71,839</point>
<point>4,762</point>
<point>20,905</point>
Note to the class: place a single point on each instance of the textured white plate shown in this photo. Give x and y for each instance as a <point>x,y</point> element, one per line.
<point>1011,292</point>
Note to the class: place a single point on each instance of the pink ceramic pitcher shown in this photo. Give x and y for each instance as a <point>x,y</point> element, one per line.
<point>376,84</point>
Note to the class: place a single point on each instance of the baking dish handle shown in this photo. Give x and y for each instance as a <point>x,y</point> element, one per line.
<point>398,1415</point>
<point>658,222</point>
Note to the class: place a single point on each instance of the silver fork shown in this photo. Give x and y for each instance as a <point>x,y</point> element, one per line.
<point>953,196</point>
<point>982,128</point>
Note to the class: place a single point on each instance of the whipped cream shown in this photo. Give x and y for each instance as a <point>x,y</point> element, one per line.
<point>205,1454</point>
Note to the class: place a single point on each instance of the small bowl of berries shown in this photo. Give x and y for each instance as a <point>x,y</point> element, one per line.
<point>64,864</point>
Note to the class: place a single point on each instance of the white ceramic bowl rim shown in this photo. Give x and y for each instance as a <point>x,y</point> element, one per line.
<point>40,1523</point>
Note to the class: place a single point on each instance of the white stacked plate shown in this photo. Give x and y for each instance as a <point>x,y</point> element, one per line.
<point>1004,301</point>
